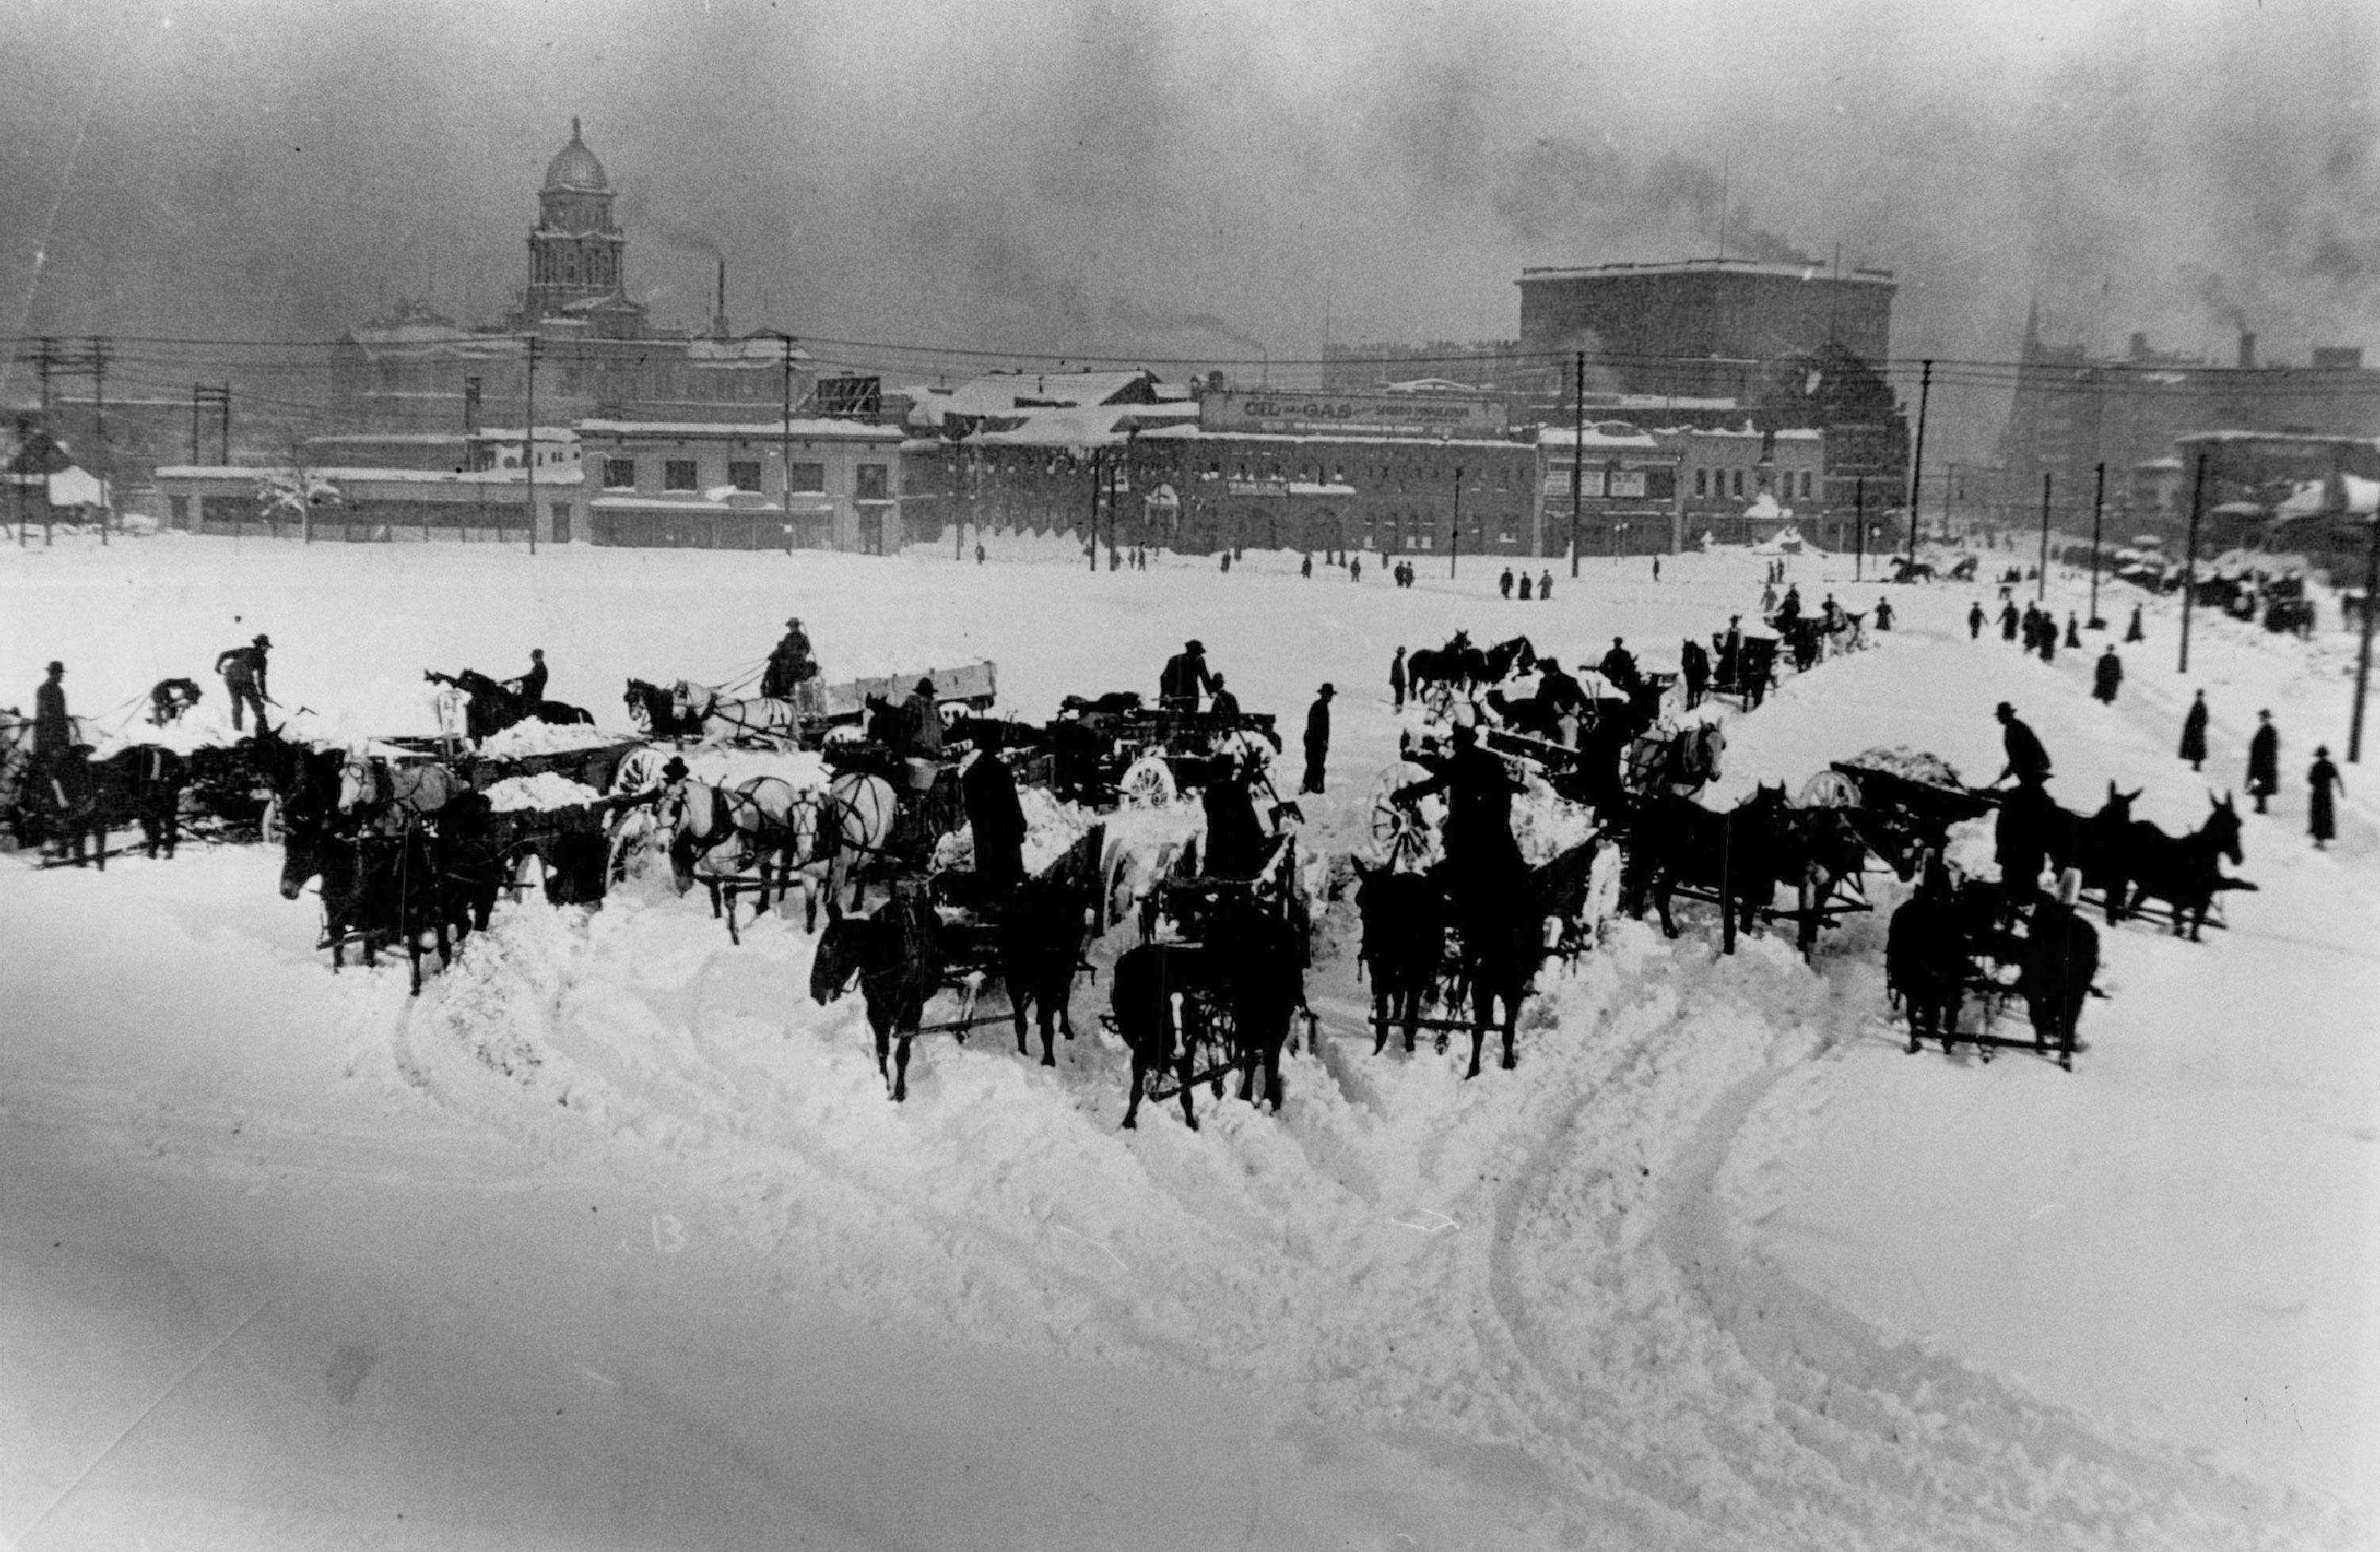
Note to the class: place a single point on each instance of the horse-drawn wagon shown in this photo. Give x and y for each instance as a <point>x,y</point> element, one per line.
<point>1115,750</point>
<point>1744,675</point>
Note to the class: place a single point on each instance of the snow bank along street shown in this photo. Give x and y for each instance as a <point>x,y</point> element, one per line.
<point>611,1237</point>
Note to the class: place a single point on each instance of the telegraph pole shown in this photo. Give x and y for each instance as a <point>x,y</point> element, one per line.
<point>786,451</point>
<point>18,477</point>
<point>2190,561</point>
<point>2363,653</point>
<point>1092,539</point>
<point>529,454</point>
<point>1859,526</point>
<point>99,432</point>
<point>2041,569</point>
<point>2098,505</point>
<point>1917,468</point>
<point>1454,551</point>
<point>1577,451</point>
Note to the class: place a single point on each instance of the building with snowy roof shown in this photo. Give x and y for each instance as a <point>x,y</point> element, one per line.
<point>804,484</point>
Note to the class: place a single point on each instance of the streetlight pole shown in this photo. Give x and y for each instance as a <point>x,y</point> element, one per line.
<point>528,446</point>
<point>1859,524</point>
<point>1577,451</point>
<point>1917,469</point>
<point>2041,567</point>
<point>2363,653</point>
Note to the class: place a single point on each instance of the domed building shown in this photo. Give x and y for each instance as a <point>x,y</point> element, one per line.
<point>415,373</point>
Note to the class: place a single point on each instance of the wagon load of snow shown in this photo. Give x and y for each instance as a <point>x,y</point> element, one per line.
<point>1917,765</point>
<point>974,685</point>
<point>543,790</point>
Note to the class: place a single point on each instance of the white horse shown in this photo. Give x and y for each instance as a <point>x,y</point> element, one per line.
<point>767,820</point>
<point>394,795</point>
<point>726,720</point>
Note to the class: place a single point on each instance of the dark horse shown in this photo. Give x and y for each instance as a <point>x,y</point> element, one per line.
<point>377,891</point>
<point>1462,667</point>
<point>147,782</point>
<point>1234,994</point>
<point>1739,856</point>
<point>2032,829</point>
<point>897,955</point>
<point>2184,871</point>
<point>656,708</point>
<point>493,707</point>
<point>1500,943</point>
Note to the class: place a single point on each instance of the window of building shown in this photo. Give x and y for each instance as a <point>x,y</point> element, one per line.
<point>181,505</point>
<point>1739,482</point>
<point>1806,484</point>
<point>871,483</point>
<point>561,511</point>
<point>743,474</point>
<point>619,473</point>
<point>677,474</point>
<point>1701,482</point>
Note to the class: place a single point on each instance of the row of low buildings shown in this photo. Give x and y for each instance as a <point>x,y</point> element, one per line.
<point>1123,454</point>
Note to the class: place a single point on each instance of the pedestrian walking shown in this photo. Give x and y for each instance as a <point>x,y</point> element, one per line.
<point>2322,812</point>
<point>2106,675</point>
<point>1306,566</point>
<point>1505,586</point>
<point>979,555</point>
<point>243,675</point>
<point>2193,733</point>
<point>1524,587</point>
<point>2073,632</point>
<point>1354,568</point>
<point>1397,678</point>
<point>1318,739</point>
<point>53,729</point>
<point>2008,618</point>
<point>1975,618</point>
<point>1884,613</point>
<point>1544,584</point>
<point>1657,568</point>
<point>2132,632</point>
<point>2265,762</point>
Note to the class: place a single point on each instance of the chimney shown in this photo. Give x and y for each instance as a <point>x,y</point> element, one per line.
<point>2247,350</point>
<point>2140,345</point>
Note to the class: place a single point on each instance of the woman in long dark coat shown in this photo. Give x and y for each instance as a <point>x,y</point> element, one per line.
<point>2193,733</point>
<point>2321,811</point>
<point>2107,676</point>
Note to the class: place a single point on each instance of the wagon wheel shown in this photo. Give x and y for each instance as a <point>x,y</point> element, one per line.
<point>1439,700</point>
<point>1402,836</point>
<point>1115,899</point>
<point>1828,789</point>
<point>1147,783</point>
<point>268,824</point>
<point>631,839</point>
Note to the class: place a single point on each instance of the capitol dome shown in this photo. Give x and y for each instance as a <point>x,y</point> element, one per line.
<point>574,166</point>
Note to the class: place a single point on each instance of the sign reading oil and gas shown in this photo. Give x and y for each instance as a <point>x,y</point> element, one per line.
<point>1301,414</point>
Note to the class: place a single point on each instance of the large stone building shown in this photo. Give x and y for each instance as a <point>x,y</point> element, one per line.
<point>2072,412</point>
<point>597,352</point>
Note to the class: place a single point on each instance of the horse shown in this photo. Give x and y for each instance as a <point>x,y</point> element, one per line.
<point>766,817</point>
<point>896,956</point>
<point>2032,830</point>
<point>1403,917</point>
<point>1817,848</point>
<point>2184,871</point>
<point>376,891</point>
<point>1738,854</point>
<point>1042,929</point>
<point>491,708</point>
<point>146,781</point>
<point>390,797</point>
<point>470,863</point>
<point>1241,986</point>
<point>855,826</point>
<point>724,721</point>
<point>655,711</point>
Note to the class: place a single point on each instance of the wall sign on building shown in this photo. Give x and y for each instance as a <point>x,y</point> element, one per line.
<point>1304,414</point>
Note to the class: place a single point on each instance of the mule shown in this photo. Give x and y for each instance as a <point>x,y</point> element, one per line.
<point>376,891</point>
<point>1737,854</point>
<point>1239,990</point>
<point>896,957</point>
<point>1404,946</point>
<point>2184,871</point>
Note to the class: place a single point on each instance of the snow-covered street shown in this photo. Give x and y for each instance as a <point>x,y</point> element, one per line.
<point>611,1237</point>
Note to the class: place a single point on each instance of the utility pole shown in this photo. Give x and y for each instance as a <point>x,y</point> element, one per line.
<point>2041,569</point>
<point>18,477</point>
<point>1091,540</point>
<point>1577,451</point>
<point>785,434</point>
<point>528,451</point>
<point>45,356</point>
<point>1917,468</point>
<point>221,398</point>
<point>2190,561</point>
<point>1454,551</point>
<point>2098,505</point>
<point>99,432</point>
<point>1859,526</point>
<point>2363,652</point>
<point>196,390</point>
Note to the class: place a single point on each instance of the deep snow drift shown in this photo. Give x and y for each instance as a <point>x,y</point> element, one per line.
<point>288,1255</point>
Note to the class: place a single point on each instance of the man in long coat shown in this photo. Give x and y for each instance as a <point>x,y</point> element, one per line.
<point>1397,677</point>
<point>1975,621</point>
<point>2106,675</point>
<point>53,729</point>
<point>1184,677</point>
<point>921,724</point>
<point>2193,733</point>
<point>1318,739</point>
<point>2265,762</point>
<point>998,821</point>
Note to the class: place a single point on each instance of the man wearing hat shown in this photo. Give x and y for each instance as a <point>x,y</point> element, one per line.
<point>1318,738</point>
<point>2027,760</point>
<point>243,675</point>
<point>531,686</point>
<point>1186,676</point>
<point>53,729</point>
<point>921,724</point>
<point>790,666</point>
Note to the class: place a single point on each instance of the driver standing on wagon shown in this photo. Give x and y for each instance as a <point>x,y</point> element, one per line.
<point>1186,676</point>
<point>1481,855</point>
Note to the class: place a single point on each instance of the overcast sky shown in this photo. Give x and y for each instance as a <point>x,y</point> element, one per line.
<point>1180,179</point>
